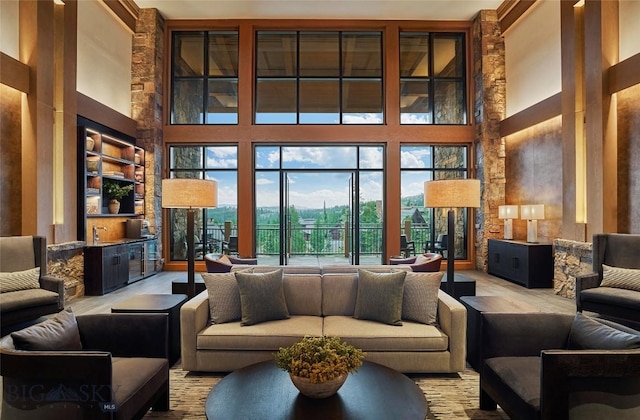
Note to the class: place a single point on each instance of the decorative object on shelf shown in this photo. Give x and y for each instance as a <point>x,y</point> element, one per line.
<point>90,144</point>
<point>136,159</point>
<point>452,193</point>
<point>92,163</point>
<point>318,366</point>
<point>115,192</point>
<point>508,213</point>
<point>189,193</point>
<point>532,213</point>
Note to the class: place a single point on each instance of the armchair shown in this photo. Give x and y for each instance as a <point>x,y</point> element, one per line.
<point>120,372</point>
<point>429,262</point>
<point>27,302</point>
<point>550,366</point>
<point>620,304</point>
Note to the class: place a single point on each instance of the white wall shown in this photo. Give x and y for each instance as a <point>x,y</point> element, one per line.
<point>533,57</point>
<point>104,56</point>
<point>9,28</point>
<point>629,11</point>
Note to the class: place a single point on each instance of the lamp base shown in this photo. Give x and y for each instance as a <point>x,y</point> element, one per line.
<point>532,231</point>
<point>508,228</point>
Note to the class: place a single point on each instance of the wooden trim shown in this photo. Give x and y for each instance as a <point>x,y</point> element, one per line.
<point>126,10</point>
<point>535,114</point>
<point>624,74</point>
<point>515,12</point>
<point>102,114</point>
<point>14,73</point>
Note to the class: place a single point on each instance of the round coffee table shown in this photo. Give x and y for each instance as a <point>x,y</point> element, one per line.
<point>263,391</point>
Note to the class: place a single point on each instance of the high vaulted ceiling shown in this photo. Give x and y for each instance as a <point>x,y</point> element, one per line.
<point>320,9</point>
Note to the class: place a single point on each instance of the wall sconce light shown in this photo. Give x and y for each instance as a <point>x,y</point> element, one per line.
<point>532,213</point>
<point>508,213</point>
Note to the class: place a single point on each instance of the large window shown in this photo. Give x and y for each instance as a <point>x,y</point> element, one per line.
<point>432,78</point>
<point>212,226</point>
<point>204,70</point>
<point>318,78</point>
<point>426,226</point>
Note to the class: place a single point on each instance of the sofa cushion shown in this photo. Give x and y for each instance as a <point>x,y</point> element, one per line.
<point>224,297</point>
<point>379,296</point>
<point>268,335</point>
<point>16,253</point>
<point>376,336</point>
<point>20,280</point>
<point>15,301</point>
<point>420,300</point>
<point>135,381</point>
<point>614,296</point>
<point>521,375</point>
<point>623,278</point>
<point>303,294</point>
<point>588,334</point>
<point>57,333</point>
<point>339,293</point>
<point>261,297</point>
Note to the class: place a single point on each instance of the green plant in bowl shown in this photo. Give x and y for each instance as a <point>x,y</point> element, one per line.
<point>115,191</point>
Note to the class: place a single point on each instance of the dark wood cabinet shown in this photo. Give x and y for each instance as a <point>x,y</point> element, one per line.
<point>106,268</point>
<point>528,264</point>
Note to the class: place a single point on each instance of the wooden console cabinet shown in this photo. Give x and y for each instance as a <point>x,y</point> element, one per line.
<point>528,264</point>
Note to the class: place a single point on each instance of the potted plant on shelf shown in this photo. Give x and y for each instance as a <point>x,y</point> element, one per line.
<point>318,366</point>
<point>115,192</point>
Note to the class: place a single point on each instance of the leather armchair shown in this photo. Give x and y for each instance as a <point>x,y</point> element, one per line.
<point>121,371</point>
<point>527,370</point>
<point>24,305</point>
<point>429,262</point>
<point>621,305</point>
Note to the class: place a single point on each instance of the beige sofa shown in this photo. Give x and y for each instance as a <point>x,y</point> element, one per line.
<point>321,300</point>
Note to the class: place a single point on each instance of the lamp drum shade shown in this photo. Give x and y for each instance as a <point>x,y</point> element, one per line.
<point>449,193</point>
<point>507,212</point>
<point>187,193</point>
<point>532,212</point>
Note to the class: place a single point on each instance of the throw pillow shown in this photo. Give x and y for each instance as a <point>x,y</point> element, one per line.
<point>20,280</point>
<point>57,333</point>
<point>420,300</point>
<point>379,296</point>
<point>622,278</point>
<point>224,297</point>
<point>224,259</point>
<point>588,334</point>
<point>261,297</point>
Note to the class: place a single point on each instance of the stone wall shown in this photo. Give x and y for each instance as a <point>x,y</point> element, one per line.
<point>66,261</point>
<point>489,109</point>
<point>571,259</point>
<point>146,107</point>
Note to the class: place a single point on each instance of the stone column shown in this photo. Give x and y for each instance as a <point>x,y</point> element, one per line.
<point>488,109</point>
<point>146,106</point>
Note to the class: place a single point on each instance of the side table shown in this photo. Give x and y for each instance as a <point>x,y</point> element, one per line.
<point>476,305</point>
<point>168,304</point>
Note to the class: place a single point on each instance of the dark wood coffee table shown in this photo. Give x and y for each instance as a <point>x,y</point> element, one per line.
<point>263,391</point>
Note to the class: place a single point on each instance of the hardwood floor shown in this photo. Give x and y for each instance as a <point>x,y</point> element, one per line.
<point>486,285</point>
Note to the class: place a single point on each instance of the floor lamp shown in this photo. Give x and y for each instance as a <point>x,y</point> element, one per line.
<point>190,194</point>
<point>451,193</point>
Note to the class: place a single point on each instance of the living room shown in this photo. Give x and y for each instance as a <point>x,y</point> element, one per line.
<point>532,117</point>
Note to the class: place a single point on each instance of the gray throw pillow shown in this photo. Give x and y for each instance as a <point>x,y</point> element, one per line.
<point>589,334</point>
<point>622,278</point>
<point>261,297</point>
<point>224,297</point>
<point>57,333</point>
<point>379,296</point>
<point>420,301</point>
<point>20,280</point>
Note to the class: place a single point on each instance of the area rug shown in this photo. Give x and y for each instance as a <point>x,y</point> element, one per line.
<point>449,396</point>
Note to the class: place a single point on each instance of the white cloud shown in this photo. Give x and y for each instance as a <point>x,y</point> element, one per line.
<point>415,118</point>
<point>362,119</point>
<point>264,181</point>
